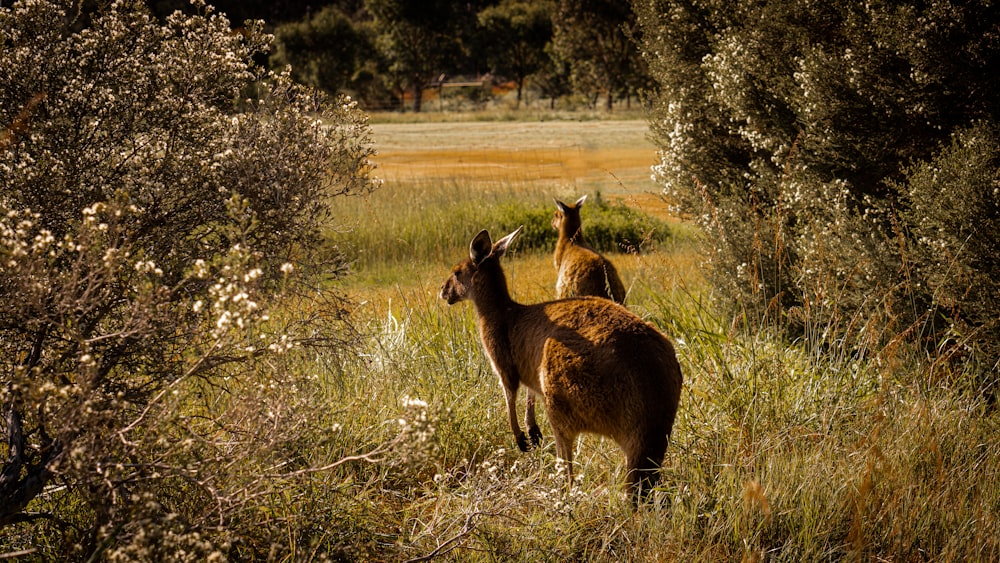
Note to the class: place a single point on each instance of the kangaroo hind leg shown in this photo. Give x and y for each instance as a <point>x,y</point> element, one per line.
<point>564,450</point>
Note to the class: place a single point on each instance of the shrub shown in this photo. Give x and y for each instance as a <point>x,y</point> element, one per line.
<point>953,215</point>
<point>159,195</point>
<point>789,131</point>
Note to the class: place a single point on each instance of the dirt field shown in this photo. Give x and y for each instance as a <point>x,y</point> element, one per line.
<point>564,157</point>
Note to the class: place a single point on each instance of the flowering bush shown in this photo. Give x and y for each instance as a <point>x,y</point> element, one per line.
<point>792,130</point>
<point>159,193</point>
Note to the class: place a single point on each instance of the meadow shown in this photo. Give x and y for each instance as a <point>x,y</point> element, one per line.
<point>780,451</point>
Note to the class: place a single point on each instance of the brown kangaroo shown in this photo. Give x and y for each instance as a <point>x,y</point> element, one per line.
<point>598,367</point>
<point>581,269</point>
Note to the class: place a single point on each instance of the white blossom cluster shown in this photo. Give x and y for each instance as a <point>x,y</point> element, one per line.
<point>231,296</point>
<point>128,275</point>
<point>417,432</point>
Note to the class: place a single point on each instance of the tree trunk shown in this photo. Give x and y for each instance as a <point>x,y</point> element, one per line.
<point>418,96</point>
<point>20,480</point>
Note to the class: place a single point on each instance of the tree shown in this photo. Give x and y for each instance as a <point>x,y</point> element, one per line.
<point>553,79</point>
<point>791,131</point>
<point>594,37</point>
<point>238,11</point>
<point>516,34</point>
<point>327,51</point>
<point>159,192</point>
<point>418,39</point>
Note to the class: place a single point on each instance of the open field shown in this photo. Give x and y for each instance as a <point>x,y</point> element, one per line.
<point>444,177</point>
<point>559,158</point>
<point>779,452</point>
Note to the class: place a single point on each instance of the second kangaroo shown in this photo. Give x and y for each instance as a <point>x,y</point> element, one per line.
<point>581,269</point>
<point>597,367</point>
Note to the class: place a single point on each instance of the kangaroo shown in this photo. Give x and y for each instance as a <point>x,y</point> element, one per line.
<point>581,269</point>
<point>597,367</point>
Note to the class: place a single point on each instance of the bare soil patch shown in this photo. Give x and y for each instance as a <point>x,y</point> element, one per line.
<point>563,157</point>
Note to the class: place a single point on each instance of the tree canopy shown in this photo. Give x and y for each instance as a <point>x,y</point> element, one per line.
<point>595,37</point>
<point>516,34</point>
<point>416,45</point>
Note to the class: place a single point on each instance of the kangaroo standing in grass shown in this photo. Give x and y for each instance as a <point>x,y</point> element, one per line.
<point>581,269</point>
<point>598,367</point>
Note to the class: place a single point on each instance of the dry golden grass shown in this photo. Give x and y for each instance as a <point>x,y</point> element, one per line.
<point>428,167</point>
<point>779,451</point>
<point>560,158</point>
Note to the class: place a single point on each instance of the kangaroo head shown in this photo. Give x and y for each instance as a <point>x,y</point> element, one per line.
<point>484,256</point>
<point>567,217</point>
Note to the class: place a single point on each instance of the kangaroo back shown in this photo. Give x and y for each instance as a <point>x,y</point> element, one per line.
<point>581,270</point>
<point>597,367</point>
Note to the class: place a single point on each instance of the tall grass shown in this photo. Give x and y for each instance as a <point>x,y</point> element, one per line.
<point>778,453</point>
<point>432,222</point>
<point>781,450</point>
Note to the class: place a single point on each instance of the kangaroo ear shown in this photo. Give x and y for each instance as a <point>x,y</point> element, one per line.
<point>579,202</point>
<point>481,246</point>
<point>562,206</point>
<point>500,248</point>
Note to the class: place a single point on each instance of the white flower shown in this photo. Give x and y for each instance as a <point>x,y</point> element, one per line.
<point>200,269</point>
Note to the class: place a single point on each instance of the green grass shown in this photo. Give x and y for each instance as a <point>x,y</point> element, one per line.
<point>429,222</point>
<point>396,447</point>
<point>779,452</point>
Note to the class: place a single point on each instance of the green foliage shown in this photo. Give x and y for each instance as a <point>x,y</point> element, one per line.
<point>618,228</point>
<point>328,51</point>
<point>953,213</point>
<point>418,40</point>
<point>516,35</point>
<point>594,38</point>
<point>787,129</point>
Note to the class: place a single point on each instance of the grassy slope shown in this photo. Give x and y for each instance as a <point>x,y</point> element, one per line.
<point>777,453</point>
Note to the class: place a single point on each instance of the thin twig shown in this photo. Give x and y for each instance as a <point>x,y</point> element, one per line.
<point>447,546</point>
<point>22,553</point>
<point>369,457</point>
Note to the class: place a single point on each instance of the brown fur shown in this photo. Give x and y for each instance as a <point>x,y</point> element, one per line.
<point>598,367</point>
<point>581,269</point>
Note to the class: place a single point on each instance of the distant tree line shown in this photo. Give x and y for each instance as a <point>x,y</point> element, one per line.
<point>386,53</point>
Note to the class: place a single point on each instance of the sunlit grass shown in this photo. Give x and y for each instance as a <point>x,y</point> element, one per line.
<point>779,451</point>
